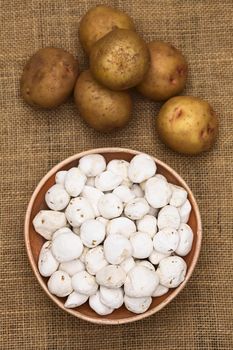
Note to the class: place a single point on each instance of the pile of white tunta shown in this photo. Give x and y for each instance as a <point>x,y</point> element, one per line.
<point>115,234</point>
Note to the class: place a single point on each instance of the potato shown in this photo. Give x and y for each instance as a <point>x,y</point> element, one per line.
<point>120,59</point>
<point>98,22</point>
<point>167,74</point>
<point>101,108</point>
<point>49,77</point>
<point>187,124</point>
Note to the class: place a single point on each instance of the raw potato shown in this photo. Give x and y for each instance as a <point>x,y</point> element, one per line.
<point>110,206</point>
<point>47,264</point>
<point>74,181</point>
<point>72,267</point>
<point>78,211</point>
<point>136,208</point>
<point>112,298</point>
<point>185,211</point>
<point>95,260</point>
<point>140,282</point>
<point>166,241</point>
<point>117,248</point>
<point>169,216</point>
<point>60,177</point>
<point>141,168</point>
<point>160,290</point>
<point>75,299</point>
<point>60,231</point>
<point>66,247</point>
<point>59,284</point>
<point>157,192</point>
<point>186,240</point>
<point>179,196</point>
<point>92,164</point>
<point>167,74</point>
<point>187,125</point>
<point>84,283</point>
<point>137,305</point>
<point>93,195</point>
<point>49,77</point>
<point>122,226</point>
<point>111,276</point>
<point>128,264</point>
<point>171,271</point>
<point>46,222</point>
<point>124,193</point>
<point>120,167</point>
<point>98,306</point>
<point>156,257</point>
<point>147,224</point>
<point>120,59</point>
<point>102,109</point>
<point>57,198</point>
<point>142,245</point>
<point>92,233</point>
<point>98,22</point>
<point>107,181</point>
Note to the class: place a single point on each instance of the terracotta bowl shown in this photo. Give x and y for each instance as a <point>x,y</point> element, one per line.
<point>34,241</point>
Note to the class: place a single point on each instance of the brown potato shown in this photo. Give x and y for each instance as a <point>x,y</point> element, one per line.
<point>120,59</point>
<point>167,74</point>
<point>187,124</point>
<point>49,77</point>
<point>102,109</point>
<point>99,21</point>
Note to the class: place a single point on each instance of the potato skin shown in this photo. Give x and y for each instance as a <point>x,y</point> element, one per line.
<point>120,59</point>
<point>167,74</point>
<point>48,77</point>
<point>99,21</point>
<point>102,109</point>
<point>187,125</point>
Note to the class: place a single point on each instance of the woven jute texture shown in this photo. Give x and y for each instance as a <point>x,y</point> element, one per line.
<point>32,141</point>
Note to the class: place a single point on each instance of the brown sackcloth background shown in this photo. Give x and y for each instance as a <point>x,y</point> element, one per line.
<point>32,141</point>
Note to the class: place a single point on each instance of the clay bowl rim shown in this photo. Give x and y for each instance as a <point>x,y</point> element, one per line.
<point>135,317</point>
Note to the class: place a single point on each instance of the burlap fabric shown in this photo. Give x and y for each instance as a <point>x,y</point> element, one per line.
<point>32,141</point>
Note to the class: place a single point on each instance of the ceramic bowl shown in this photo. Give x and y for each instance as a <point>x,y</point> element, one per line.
<point>34,241</point>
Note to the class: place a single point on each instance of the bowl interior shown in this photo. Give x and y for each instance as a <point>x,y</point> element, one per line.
<point>34,241</point>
